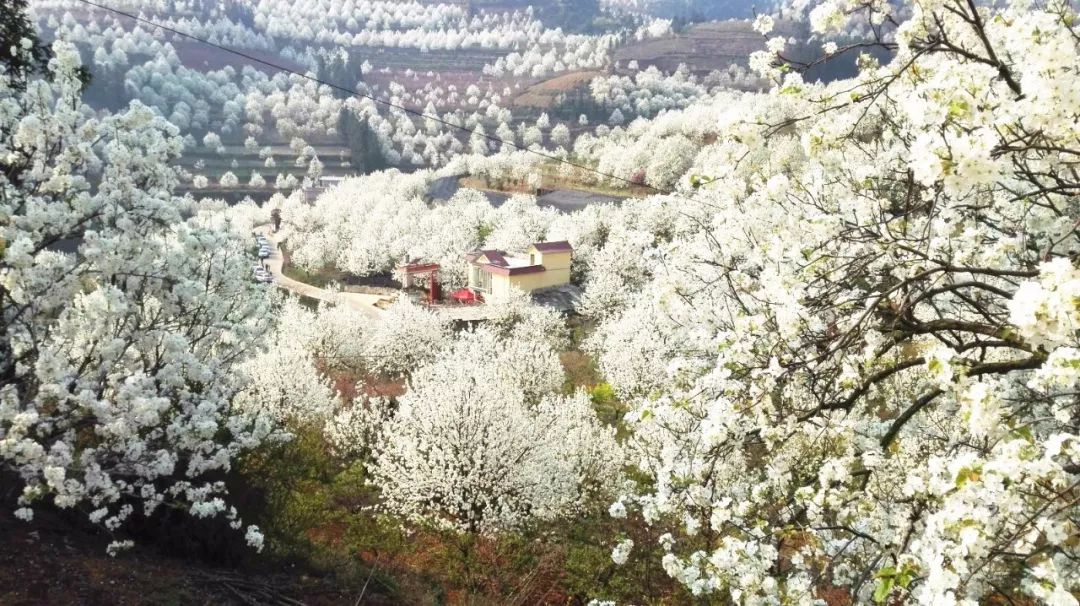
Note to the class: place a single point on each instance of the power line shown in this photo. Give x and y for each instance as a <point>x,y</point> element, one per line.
<point>357,93</point>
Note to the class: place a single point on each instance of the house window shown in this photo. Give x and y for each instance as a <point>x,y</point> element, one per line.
<point>532,259</point>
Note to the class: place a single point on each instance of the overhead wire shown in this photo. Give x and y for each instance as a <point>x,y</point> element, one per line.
<point>356,93</point>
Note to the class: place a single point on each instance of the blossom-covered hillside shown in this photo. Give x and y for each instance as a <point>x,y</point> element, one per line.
<point>819,345</point>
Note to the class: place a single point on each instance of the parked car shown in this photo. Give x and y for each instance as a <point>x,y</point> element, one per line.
<point>261,275</point>
<point>265,252</point>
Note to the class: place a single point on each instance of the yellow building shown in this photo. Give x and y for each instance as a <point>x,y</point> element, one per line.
<point>545,265</point>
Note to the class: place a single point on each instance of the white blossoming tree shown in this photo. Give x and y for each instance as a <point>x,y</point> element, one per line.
<point>560,135</point>
<point>478,445</point>
<point>120,321</point>
<point>286,381</point>
<point>868,368</point>
<point>229,179</point>
<point>406,337</point>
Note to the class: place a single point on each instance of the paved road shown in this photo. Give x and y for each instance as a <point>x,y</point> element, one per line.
<point>363,303</point>
<point>573,200</point>
<point>563,298</point>
<point>444,188</point>
<point>565,200</point>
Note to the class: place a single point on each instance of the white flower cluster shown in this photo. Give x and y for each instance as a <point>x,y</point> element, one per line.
<point>853,353</point>
<point>337,230</point>
<point>581,52</point>
<point>1047,312</point>
<point>621,553</point>
<point>648,92</point>
<point>117,358</point>
<point>480,443</point>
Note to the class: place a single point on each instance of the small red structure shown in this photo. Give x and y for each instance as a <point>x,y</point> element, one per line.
<point>434,288</point>
<point>411,269</point>
<point>466,296</point>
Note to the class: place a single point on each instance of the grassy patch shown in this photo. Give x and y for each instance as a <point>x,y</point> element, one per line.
<point>322,511</point>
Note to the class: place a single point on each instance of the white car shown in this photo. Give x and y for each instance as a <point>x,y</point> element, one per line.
<point>261,275</point>
<point>265,252</point>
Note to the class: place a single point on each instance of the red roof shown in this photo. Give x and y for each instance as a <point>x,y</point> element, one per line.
<point>553,247</point>
<point>494,257</point>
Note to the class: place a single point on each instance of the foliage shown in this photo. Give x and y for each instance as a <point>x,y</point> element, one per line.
<point>21,53</point>
<point>311,505</point>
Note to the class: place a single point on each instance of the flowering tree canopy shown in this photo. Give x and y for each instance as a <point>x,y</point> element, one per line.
<point>480,443</point>
<point>869,360</point>
<point>848,343</point>
<point>121,320</point>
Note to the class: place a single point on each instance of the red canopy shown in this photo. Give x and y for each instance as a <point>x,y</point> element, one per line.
<point>465,295</point>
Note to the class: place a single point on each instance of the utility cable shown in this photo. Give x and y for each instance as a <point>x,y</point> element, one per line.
<point>357,93</point>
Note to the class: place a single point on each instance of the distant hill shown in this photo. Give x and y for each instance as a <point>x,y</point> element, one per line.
<point>570,15</point>
<point>716,45</point>
<point>695,10</point>
<point>702,48</point>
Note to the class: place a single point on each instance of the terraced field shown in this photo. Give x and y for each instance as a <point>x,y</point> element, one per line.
<point>201,57</point>
<point>547,94</point>
<point>704,48</point>
<point>436,60</point>
<point>336,161</point>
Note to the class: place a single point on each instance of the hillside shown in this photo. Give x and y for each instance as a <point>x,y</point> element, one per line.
<point>705,47</point>
<point>53,562</point>
<point>604,315</point>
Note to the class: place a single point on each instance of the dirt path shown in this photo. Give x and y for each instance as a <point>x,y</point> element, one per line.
<point>363,303</point>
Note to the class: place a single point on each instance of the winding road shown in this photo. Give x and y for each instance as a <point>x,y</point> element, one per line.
<point>364,303</point>
<point>562,299</point>
<point>565,200</point>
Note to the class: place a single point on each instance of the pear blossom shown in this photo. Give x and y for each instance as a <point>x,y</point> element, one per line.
<point>117,358</point>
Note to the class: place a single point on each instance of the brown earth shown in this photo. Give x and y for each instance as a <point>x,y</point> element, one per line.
<point>195,55</point>
<point>703,48</point>
<point>544,95</point>
<point>48,561</point>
